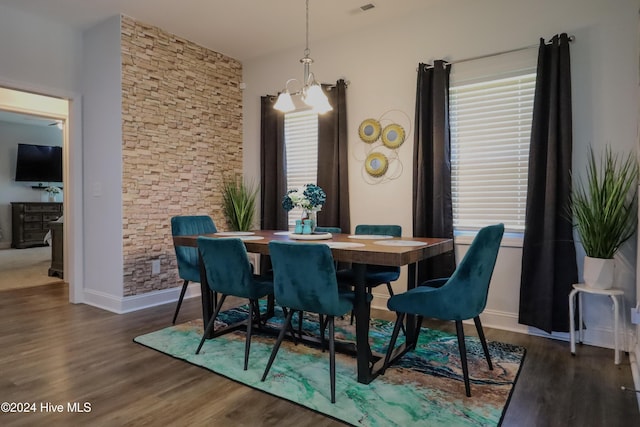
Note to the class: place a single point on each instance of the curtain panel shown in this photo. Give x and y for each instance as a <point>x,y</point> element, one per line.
<point>333,158</point>
<point>432,200</point>
<point>548,256</point>
<point>273,167</point>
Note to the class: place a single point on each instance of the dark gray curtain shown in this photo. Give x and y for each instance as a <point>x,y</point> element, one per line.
<point>273,167</point>
<point>432,205</point>
<point>548,255</point>
<point>333,174</point>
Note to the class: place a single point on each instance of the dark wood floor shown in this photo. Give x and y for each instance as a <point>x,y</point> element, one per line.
<point>52,351</point>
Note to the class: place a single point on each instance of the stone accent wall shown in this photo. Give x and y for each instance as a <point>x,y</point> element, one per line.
<point>182,136</point>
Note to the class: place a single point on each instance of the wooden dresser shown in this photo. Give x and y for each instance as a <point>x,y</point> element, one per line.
<point>30,222</point>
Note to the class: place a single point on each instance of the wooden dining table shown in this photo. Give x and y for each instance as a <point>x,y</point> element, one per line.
<point>359,251</point>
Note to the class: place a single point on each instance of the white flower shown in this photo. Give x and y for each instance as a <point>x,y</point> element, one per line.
<point>52,189</point>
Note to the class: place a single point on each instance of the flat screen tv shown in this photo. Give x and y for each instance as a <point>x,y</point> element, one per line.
<point>39,163</point>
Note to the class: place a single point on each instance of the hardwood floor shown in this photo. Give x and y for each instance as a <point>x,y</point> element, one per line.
<point>56,352</point>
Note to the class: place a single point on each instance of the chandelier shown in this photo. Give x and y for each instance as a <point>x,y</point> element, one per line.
<point>311,92</point>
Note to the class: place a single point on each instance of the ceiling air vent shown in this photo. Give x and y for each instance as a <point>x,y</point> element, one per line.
<point>367,6</point>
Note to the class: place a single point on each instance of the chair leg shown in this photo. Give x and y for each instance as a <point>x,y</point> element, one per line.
<point>247,341</point>
<point>463,356</point>
<point>212,322</point>
<point>392,342</point>
<point>483,341</point>
<point>182,292</point>
<point>276,346</point>
<point>418,328</point>
<point>289,325</point>
<point>322,326</point>
<point>332,357</point>
<point>300,319</point>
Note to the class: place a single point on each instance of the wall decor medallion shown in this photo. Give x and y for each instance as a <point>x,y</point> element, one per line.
<point>383,138</point>
<point>369,130</point>
<point>393,136</point>
<point>376,164</point>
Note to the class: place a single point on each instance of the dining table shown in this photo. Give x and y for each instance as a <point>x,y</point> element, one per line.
<point>359,250</point>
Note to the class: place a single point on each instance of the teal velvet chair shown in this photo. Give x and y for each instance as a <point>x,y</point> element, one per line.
<point>229,272</point>
<point>187,257</point>
<point>305,280</point>
<point>376,274</point>
<point>462,296</point>
<point>328,230</point>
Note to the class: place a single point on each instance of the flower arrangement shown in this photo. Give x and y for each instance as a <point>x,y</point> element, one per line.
<point>52,190</point>
<point>309,197</point>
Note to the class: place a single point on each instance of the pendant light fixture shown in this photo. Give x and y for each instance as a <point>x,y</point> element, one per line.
<point>311,92</point>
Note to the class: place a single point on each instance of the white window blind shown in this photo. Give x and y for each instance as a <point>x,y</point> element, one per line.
<point>490,130</point>
<point>301,140</point>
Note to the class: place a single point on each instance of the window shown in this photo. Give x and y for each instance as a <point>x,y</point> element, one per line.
<point>301,141</point>
<point>490,124</point>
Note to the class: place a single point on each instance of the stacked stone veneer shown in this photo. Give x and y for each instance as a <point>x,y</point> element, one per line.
<point>181,137</point>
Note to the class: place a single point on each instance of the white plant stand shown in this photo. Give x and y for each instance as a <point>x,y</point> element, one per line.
<point>581,288</point>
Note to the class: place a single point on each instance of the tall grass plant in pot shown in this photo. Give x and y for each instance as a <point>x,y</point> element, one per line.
<point>239,203</point>
<point>603,206</point>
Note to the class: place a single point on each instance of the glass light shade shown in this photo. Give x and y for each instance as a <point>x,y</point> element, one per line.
<point>315,98</point>
<point>284,102</point>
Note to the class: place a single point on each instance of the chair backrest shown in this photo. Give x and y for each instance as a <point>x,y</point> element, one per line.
<point>304,277</point>
<point>389,230</point>
<point>386,230</point>
<point>328,230</point>
<point>188,267</point>
<point>468,287</point>
<point>227,265</point>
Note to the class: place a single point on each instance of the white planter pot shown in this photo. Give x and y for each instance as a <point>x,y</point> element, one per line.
<point>598,272</point>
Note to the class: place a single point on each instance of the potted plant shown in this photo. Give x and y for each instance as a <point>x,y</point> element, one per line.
<point>604,209</point>
<point>238,204</point>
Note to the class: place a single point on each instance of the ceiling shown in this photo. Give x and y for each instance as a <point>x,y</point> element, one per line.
<point>242,29</point>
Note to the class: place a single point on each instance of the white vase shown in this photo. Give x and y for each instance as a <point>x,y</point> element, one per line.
<point>313,216</point>
<point>52,197</point>
<point>598,272</point>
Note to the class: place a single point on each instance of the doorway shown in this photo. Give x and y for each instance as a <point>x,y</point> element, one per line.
<point>61,110</point>
<point>31,153</point>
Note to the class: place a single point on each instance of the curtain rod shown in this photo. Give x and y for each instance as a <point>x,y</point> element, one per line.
<point>489,55</point>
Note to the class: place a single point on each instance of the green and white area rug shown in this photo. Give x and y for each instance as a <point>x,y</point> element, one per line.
<point>424,388</point>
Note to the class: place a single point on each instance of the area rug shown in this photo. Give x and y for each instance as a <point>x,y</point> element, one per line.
<point>424,388</point>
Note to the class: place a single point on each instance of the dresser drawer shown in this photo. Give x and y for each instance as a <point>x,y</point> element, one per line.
<point>48,217</point>
<point>33,218</point>
<point>34,235</point>
<point>41,207</point>
<point>30,226</point>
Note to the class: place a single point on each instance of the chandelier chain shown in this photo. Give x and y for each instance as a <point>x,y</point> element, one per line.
<point>306,50</point>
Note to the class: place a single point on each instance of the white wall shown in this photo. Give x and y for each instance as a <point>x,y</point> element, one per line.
<point>39,52</point>
<point>381,62</point>
<point>12,134</point>
<point>102,149</point>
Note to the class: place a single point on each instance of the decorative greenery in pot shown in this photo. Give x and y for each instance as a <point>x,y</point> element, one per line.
<point>604,209</point>
<point>238,203</point>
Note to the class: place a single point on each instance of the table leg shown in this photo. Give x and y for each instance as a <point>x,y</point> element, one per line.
<point>411,325</point>
<point>616,315</point>
<point>572,326</point>
<point>361,310</point>
<point>206,295</point>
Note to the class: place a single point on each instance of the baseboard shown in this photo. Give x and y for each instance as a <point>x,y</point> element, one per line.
<point>5,245</point>
<point>596,336</point>
<point>121,305</point>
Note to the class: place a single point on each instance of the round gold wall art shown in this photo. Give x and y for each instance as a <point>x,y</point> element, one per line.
<point>393,136</point>
<point>369,130</point>
<point>376,164</point>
